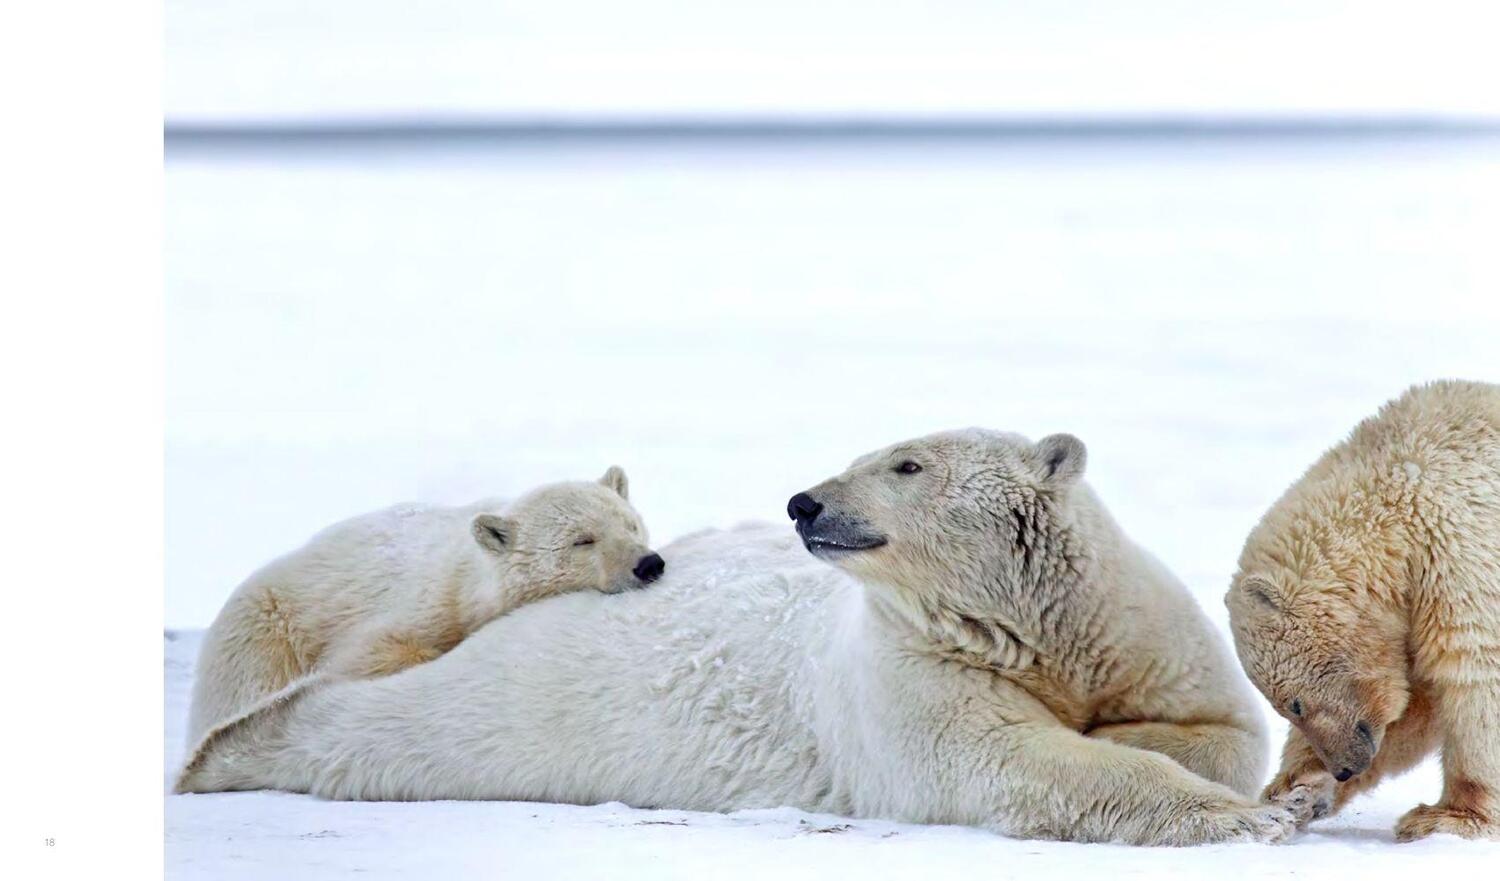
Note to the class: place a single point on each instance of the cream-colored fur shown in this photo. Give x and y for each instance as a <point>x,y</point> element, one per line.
<point>1366,608</point>
<point>381,592</point>
<point>998,654</point>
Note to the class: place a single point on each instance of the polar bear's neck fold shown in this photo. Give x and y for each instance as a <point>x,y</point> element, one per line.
<point>1046,628</point>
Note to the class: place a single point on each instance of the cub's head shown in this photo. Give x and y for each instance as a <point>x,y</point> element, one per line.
<point>1333,667</point>
<point>572,536</point>
<point>947,517</point>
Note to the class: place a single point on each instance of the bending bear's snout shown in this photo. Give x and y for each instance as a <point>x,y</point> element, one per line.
<point>803,509</point>
<point>1346,750</point>
<point>650,567</point>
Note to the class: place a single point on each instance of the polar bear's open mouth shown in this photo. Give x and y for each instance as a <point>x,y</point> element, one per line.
<point>837,539</point>
<point>818,544</point>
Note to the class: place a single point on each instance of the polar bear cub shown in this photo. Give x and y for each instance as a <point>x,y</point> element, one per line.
<point>387,590</point>
<point>1366,609</point>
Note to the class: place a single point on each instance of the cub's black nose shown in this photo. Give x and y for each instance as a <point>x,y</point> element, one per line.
<point>1343,774</point>
<point>802,508</point>
<point>650,567</point>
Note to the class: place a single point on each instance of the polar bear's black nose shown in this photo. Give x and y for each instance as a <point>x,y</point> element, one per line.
<point>802,508</point>
<point>650,567</point>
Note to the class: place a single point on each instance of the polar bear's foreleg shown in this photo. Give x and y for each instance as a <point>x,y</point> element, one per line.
<point>1468,719</point>
<point>1222,753</point>
<point>1048,781</point>
<point>1304,784</point>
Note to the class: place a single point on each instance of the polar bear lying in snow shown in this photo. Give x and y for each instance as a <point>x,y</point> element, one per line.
<point>381,592</point>
<point>1002,656</point>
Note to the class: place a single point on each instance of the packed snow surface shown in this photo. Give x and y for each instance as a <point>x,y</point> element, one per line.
<point>259,835</point>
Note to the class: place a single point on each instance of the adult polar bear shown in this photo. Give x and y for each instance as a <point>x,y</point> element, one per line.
<point>1003,657</point>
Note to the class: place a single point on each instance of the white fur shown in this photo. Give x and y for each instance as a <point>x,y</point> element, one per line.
<point>383,591</point>
<point>755,675</point>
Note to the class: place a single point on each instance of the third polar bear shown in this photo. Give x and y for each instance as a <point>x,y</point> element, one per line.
<point>1367,609</point>
<point>381,592</point>
<point>1002,656</point>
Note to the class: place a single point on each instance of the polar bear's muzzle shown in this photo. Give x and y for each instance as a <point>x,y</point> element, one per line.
<point>828,532</point>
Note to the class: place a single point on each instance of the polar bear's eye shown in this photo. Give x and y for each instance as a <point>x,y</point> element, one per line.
<point>583,542</point>
<point>1296,708</point>
<point>908,467</point>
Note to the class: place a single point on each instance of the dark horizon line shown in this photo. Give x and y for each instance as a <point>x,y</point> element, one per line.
<point>770,127</point>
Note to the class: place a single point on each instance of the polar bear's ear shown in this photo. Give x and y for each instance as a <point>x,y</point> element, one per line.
<point>1060,458</point>
<point>493,532</point>
<point>1262,592</point>
<point>615,479</point>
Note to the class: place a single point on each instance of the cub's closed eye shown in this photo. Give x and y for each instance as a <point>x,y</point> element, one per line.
<point>583,542</point>
<point>908,467</point>
<point>1296,708</point>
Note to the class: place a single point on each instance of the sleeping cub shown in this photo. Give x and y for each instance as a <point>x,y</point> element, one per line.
<point>384,591</point>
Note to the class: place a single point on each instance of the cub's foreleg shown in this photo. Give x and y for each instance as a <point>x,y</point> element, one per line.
<point>1306,787</point>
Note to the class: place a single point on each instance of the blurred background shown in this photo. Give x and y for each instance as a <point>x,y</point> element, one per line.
<point>436,251</point>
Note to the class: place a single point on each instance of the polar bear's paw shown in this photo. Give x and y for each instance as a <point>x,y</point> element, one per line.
<point>1309,796</point>
<point>1264,824</point>
<point>1424,820</point>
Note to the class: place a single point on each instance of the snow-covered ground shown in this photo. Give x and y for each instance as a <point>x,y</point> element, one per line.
<point>259,835</point>
<point>734,321</point>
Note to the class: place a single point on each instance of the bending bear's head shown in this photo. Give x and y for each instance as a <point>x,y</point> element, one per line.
<point>1331,665</point>
<point>950,519</point>
<point>571,536</point>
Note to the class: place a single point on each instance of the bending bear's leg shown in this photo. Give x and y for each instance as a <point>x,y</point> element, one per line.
<point>1222,753</point>
<point>1458,649</point>
<point>1470,805</point>
<point>1469,724</point>
<point>1305,786</point>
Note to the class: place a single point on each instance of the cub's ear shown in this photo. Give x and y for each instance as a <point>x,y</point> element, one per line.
<point>1060,459</point>
<point>1261,592</point>
<point>616,480</point>
<point>493,532</point>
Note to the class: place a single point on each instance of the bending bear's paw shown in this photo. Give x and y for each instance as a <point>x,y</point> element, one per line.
<point>1308,796</point>
<point>1424,820</point>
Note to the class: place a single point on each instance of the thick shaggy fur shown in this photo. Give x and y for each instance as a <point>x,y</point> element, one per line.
<point>381,592</point>
<point>1006,658</point>
<point>1367,609</point>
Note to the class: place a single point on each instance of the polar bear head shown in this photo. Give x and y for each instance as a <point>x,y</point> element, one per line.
<point>566,537</point>
<point>1331,665</point>
<point>960,521</point>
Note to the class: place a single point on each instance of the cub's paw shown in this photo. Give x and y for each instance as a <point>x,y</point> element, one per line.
<point>1424,820</point>
<point>1308,795</point>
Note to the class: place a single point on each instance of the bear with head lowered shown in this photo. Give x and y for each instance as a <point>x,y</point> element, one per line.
<point>1366,608</point>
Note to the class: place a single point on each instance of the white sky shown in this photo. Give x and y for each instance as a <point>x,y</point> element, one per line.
<point>290,58</point>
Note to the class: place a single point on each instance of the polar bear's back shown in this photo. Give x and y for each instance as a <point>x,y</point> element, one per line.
<point>694,692</point>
